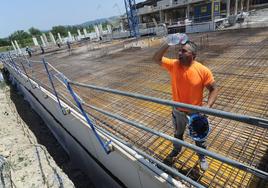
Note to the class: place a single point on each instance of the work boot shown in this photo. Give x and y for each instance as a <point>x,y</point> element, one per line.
<point>203,163</point>
<point>169,160</point>
<point>174,153</point>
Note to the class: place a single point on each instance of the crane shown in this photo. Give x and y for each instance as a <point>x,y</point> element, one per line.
<point>132,16</point>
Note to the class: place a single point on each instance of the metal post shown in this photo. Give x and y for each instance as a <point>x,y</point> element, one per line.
<point>236,6</point>
<point>228,8</point>
<point>14,64</point>
<point>248,5</point>
<point>53,87</point>
<point>19,50</point>
<point>24,69</point>
<point>106,147</point>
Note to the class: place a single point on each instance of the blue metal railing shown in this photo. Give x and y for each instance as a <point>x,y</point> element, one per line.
<point>77,100</point>
<point>53,87</point>
<point>105,146</point>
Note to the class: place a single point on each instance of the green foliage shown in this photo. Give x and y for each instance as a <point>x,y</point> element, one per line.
<point>25,38</point>
<point>4,42</point>
<point>72,29</point>
<point>104,25</point>
<point>63,30</point>
<point>22,37</point>
<point>19,35</point>
<point>91,28</point>
<point>59,29</point>
<point>26,42</point>
<point>35,32</point>
<point>5,48</point>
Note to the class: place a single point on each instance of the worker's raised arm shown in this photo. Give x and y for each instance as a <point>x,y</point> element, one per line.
<point>160,53</point>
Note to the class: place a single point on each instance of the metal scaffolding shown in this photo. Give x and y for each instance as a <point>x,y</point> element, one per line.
<point>132,16</point>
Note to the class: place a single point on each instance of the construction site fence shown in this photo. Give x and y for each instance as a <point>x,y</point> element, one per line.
<point>24,68</point>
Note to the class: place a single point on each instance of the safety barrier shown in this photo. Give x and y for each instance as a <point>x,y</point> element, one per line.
<point>18,64</point>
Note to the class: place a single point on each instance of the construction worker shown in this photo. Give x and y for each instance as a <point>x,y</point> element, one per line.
<point>42,49</point>
<point>188,79</point>
<point>58,44</point>
<point>68,45</point>
<point>29,51</point>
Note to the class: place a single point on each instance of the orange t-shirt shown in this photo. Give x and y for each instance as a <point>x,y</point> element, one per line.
<point>188,82</point>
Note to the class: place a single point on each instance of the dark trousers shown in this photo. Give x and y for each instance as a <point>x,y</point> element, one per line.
<point>180,121</point>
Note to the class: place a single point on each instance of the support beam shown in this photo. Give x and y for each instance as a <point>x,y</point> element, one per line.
<point>162,16</point>
<point>236,5</point>
<point>241,5</point>
<point>79,33</point>
<point>121,26</point>
<point>228,8</point>
<point>166,17</point>
<point>100,29</point>
<point>43,41</point>
<point>59,37</point>
<point>109,28</point>
<point>35,41</point>
<point>85,32</point>
<point>155,22</point>
<point>52,38</point>
<point>45,38</point>
<point>70,36</point>
<point>13,45</point>
<point>188,11</point>
<point>17,45</point>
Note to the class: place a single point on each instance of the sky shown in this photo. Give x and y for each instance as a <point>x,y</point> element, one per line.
<point>44,14</point>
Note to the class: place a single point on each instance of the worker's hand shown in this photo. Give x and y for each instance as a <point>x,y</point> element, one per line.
<point>177,38</point>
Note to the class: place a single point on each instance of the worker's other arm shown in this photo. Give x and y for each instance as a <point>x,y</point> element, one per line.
<point>212,96</point>
<point>160,53</point>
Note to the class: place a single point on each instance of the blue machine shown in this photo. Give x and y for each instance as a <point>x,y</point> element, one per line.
<point>217,8</point>
<point>203,12</point>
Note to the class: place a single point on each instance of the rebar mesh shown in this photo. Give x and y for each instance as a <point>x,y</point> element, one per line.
<point>239,61</point>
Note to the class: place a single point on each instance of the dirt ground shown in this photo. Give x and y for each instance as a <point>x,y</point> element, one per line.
<point>30,156</point>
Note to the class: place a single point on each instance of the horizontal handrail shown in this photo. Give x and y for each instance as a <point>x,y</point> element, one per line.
<point>234,163</point>
<point>219,113</point>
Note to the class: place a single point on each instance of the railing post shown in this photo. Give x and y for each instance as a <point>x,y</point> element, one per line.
<point>106,146</point>
<point>64,111</point>
<point>14,64</point>
<point>24,69</point>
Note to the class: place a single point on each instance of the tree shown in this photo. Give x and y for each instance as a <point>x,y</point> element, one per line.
<point>35,32</point>
<point>4,42</point>
<point>104,25</point>
<point>22,37</point>
<point>59,29</point>
<point>19,35</point>
<point>72,29</point>
<point>91,28</point>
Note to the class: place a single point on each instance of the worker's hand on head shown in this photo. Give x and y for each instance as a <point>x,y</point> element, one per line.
<point>177,38</point>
